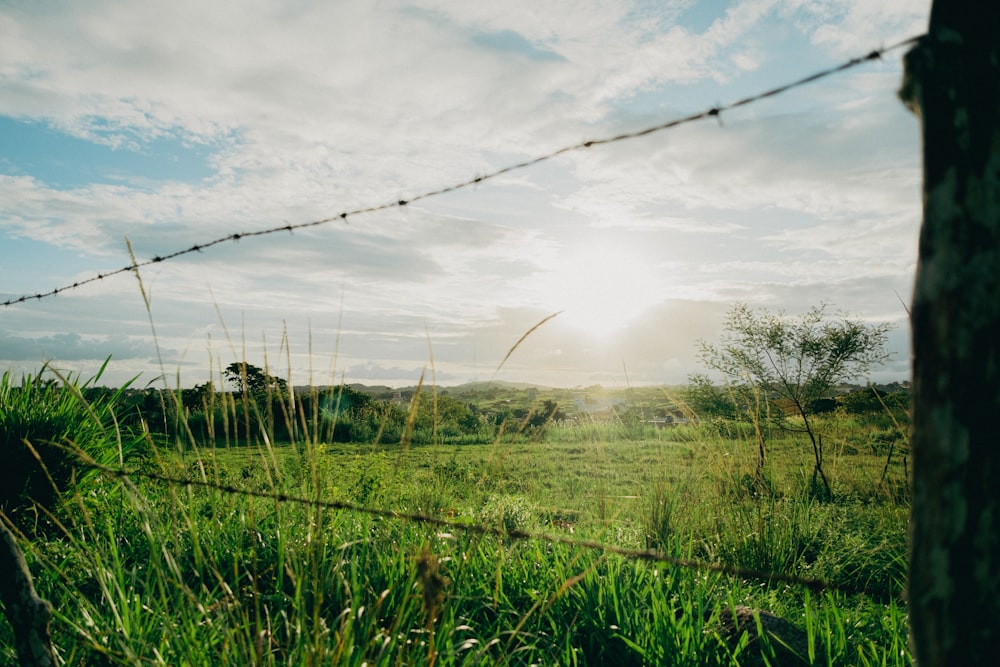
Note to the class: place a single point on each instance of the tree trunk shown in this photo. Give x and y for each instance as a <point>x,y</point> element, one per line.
<point>817,445</point>
<point>952,82</point>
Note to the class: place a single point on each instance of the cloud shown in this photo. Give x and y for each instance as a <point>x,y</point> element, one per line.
<point>371,372</point>
<point>850,27</point>
<point>293,113</point>
<point>73,347</point>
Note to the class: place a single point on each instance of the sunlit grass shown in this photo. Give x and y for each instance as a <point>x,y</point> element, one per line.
<point>167,574</point>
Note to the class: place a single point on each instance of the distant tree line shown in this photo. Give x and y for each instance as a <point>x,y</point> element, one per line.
<point>256,406</point>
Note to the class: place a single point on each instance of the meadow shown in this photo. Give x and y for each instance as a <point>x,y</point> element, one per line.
<point>574,542</point>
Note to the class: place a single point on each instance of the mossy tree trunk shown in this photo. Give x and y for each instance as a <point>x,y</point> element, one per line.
<point>952,82</point>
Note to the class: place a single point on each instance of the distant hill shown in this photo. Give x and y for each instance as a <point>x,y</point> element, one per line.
<point>373,389</point>
<point>494,384</point>
<point>356,386</point>
<point>467,387</point>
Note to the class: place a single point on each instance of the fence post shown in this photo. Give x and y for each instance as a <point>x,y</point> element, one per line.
<point>28,614</point>
<point>952,82</point>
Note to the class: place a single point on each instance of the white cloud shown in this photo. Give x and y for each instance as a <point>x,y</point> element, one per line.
<point>848,28</point>
<point>309,109</point>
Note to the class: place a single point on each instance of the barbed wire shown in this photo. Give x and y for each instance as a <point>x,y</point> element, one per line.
<point>714,112</point>
<point>878,593</point>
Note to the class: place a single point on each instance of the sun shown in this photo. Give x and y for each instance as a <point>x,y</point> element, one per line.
<point>601,287</point>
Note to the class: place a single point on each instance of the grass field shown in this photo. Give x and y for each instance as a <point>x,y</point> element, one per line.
<point>143,572</point>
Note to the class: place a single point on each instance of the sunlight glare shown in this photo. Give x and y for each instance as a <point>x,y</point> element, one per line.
<point>601,287</point>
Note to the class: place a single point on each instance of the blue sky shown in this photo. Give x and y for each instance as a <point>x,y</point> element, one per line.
<point>63,161</point>
<point>172,124</point>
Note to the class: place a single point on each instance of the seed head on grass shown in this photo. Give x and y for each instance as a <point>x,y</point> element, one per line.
<point>432,582</point>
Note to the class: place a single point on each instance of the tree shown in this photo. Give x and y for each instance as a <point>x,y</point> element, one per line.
<point>795,359</point>
<point>447,416</point>
<point>952,82</point>
<point>548,412</point>
<point>250,380</point>
<point>198,397</point>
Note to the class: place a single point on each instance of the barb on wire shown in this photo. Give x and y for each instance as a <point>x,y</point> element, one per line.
<point>880,594</point>
<point>714,112</point>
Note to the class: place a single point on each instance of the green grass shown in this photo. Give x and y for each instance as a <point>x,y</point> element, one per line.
<point>142,572</point>
<point>41,419</point>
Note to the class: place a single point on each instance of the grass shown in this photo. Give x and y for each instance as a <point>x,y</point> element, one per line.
<point>40,417</point>
<point>141,572</point>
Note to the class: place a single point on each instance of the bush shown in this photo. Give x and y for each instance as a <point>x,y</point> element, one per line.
<point>42,422</point>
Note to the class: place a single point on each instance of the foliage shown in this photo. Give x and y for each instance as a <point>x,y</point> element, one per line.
<point>708,400</point>
<point>43,422</point>
<point>198,397</point>
<point>201,576</point>
<point>797,360</point>
<point>874,404</point>
<point>249,379</point>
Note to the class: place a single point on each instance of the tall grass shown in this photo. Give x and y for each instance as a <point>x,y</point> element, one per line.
<point>142,572</point>
<point>43,419</point>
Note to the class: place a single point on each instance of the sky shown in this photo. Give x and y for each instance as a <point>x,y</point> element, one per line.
<point>164,125</point>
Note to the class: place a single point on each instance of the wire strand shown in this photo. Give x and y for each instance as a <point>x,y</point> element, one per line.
<point>880,594</point>
<point>714,112</point>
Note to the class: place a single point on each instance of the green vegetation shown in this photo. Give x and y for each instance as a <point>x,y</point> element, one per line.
<point>141,571</point>
<point>41,420</point>
<point>769,359</point>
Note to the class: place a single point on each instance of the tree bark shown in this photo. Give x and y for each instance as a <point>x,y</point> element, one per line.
<point>28,614</point>
<point>952,81</point>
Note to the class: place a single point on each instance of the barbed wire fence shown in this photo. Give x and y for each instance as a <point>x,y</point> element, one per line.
<point>878,593</point>
<point>713,112</point>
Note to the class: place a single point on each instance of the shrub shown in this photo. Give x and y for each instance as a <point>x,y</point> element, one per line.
<point>42,422</point>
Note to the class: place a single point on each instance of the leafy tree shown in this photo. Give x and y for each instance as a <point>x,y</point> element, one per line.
<point>795,359</point>
<point>444,416</point>
<point>343,400</point>
<point>249,379</point>
<point>198,397</point>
